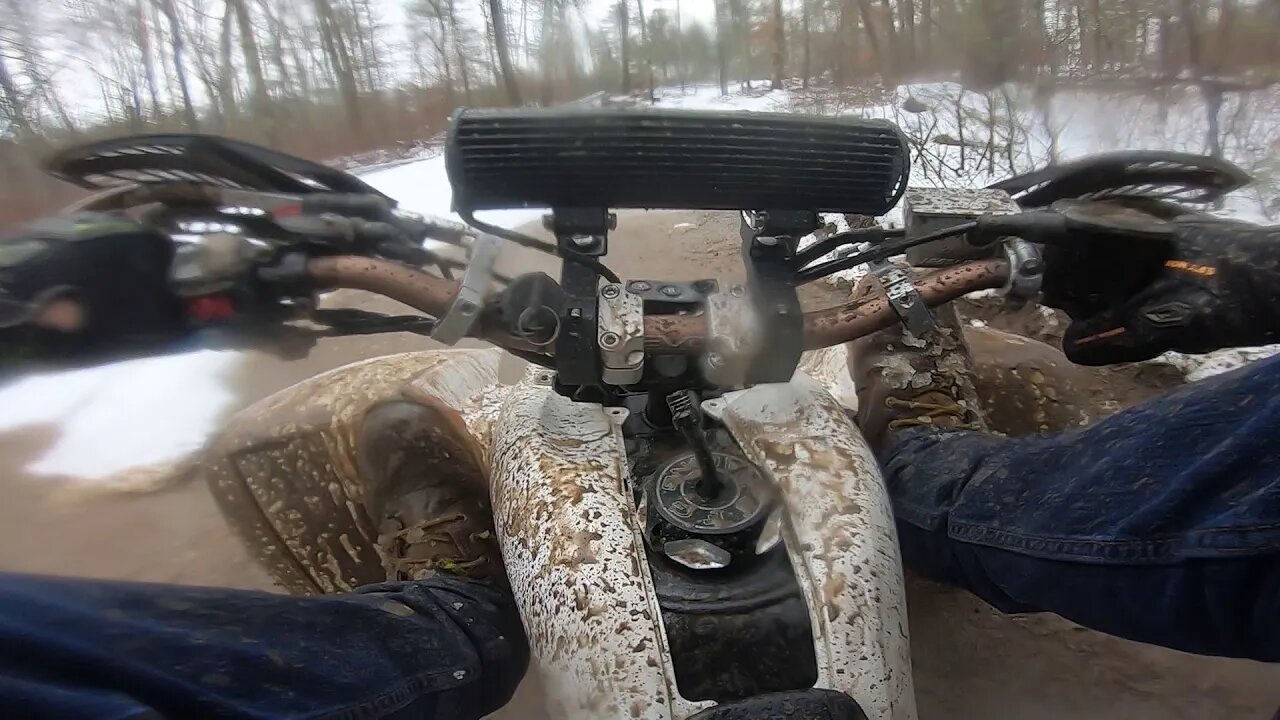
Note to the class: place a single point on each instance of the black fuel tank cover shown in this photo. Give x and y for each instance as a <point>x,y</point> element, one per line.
<point>812,704</point>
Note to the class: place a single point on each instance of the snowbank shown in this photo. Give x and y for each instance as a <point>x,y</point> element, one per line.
<point>122,415</point>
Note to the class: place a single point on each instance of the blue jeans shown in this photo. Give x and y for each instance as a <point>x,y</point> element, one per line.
<point>1159,524</point>
<point>439,648</point>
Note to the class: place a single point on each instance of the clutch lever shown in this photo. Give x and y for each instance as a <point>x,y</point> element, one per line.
<point>1069,218</point>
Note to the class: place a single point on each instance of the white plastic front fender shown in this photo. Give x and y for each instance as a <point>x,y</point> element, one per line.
<point>572,544</point>
<point>574,555</point>
<point>840,535</point>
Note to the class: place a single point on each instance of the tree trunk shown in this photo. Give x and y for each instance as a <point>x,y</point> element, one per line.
<point>276,32</point>
<point>908,54</point>
<point>1190,23</point>
<point>1275,36</point>
<point>335,48</point>
<point>722,58</point>
<point>227,72</point>
<point>503,49</point>
<point>840,55</point>
<point>259,99</point>
<point>808,45</point>
<point>565,50</point>
<point>889,61</point>
<point>1226,27</point>
<point>179,63</point>
<point>1101,55</point>
<point>1212,93</point>
<point>442,48</point>
<point>624,43</point>
<point>926,32</point>
<point>1165,43</point>
<point>1043,48</point>
<point>742,21</point>
<point>456,38</point>
<point>300,67</point>
<point>545,51</point>
<point>14,104</point>
<point>148,61</point>
<point>648,52</point>
<point>868,21</point>
<point>360,47</point>
<point>779,37</point>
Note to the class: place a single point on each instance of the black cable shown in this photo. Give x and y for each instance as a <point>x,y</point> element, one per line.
<point>879,252</point>
<point>514,236</point>
<point>591,264</point>
<point>822,247</point>
<point>533,243</point>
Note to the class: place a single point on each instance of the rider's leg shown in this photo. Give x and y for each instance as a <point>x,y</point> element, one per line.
<point>1160,524</point>
<point>440,639</point>
<point>445,647</point>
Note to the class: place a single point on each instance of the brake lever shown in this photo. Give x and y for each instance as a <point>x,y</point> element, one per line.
<point>343,322</point>
<point>1067,218</point>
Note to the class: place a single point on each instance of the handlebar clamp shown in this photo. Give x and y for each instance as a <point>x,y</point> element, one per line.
<point>904,298</point>
<point>464,310</point>
<point>620,334</point>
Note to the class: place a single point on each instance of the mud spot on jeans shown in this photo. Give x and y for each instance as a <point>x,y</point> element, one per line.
<point>396,608</point>
<point>174,604</point>
<point>216,680</point>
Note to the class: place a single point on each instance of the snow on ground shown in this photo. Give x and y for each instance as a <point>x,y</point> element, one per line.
<point>122,415</point>
<point>140,412</point>
<point>1198,367</point>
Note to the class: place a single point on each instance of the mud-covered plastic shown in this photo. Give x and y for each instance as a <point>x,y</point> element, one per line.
<point>674,159</point>
<point>286,471</point>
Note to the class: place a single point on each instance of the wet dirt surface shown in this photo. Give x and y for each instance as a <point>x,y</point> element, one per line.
<point>970,662</point>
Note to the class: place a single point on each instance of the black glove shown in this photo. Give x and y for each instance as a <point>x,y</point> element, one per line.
<point>116,269</point>
<point>1208,284</point>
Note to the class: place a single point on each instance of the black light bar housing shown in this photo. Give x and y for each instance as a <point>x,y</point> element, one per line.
<point>674,159</point>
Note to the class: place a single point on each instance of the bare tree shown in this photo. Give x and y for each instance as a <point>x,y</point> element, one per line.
<point>499,33</point>
<point>622,13</point>
<point>15,107</point>
<point>455,33</point>
<point>339,56</point>
<point>806,69</point>
<point>722,56</point>
<point>178,49</point>
<point>259,99</point>
<point>925,32</point>
<point>226,70</point>
<point>779,39</point>
<point>26,49</point>
<point>148,63</point>
<point>873,38</point>
<point>648,51</point>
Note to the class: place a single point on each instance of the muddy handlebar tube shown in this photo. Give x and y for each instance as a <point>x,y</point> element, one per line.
<point>664,334</point>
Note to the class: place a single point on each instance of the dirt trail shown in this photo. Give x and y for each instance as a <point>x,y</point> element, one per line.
<point>970,662</point>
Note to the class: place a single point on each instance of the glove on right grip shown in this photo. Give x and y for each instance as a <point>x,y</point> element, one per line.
<point>1215,284</point>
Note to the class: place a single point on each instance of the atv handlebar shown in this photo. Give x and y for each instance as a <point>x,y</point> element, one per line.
<point>681,334</point>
